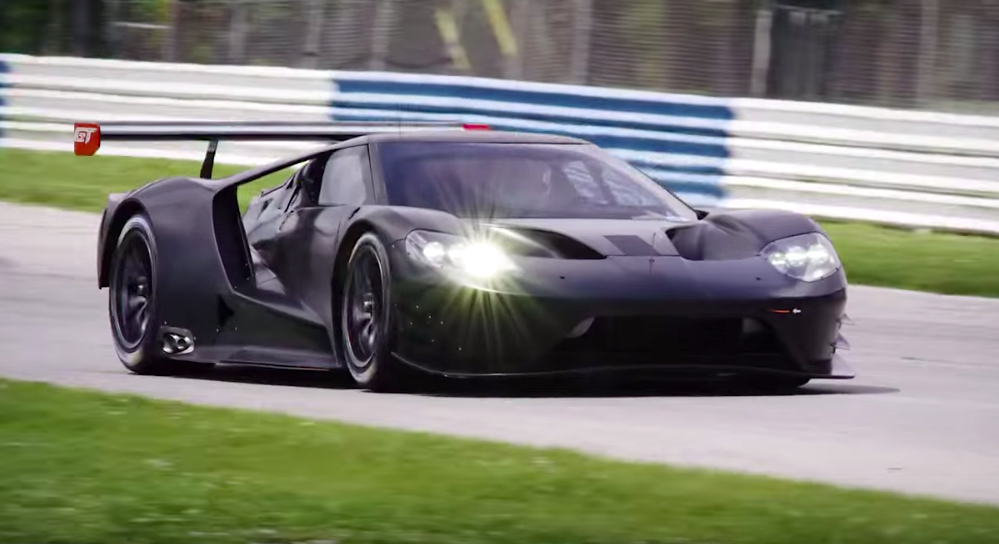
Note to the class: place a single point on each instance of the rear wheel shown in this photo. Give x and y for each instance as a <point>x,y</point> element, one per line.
<point>133,304</point>
<point>366,317</point>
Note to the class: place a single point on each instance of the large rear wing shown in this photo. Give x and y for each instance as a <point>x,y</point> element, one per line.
<point>88,136</point>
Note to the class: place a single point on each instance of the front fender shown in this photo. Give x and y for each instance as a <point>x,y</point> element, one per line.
<point>395,223</point>
<point>738,234</point>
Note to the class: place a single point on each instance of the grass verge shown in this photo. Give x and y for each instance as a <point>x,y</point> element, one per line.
<point>64,180</point>
<point>81,467</point>
<point>873,255</point>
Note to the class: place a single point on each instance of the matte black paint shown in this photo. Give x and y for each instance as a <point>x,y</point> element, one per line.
<point>263,292</point>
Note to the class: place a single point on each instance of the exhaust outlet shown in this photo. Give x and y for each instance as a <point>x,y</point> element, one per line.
<point>177,341</point>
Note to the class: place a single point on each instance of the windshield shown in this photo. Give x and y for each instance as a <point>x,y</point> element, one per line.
<point>487,180</point>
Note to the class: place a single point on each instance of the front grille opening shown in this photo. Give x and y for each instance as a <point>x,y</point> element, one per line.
<point>663,341</point>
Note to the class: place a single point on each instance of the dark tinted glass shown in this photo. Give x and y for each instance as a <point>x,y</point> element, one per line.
<point>345,180</point>
<point>523,181</point>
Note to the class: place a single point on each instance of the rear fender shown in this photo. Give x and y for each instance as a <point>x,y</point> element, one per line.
<point>191,271</point>
<point>117,211</point>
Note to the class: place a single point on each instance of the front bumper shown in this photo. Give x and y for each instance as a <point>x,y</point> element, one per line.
<point>620,314</point>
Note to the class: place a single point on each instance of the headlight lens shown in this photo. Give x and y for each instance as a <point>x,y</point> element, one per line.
<point>807,257</point>
<point>480,259</point>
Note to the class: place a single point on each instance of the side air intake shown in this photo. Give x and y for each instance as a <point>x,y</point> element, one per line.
<point>230,237</point>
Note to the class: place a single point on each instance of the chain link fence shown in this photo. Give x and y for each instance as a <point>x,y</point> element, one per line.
<point>926,54</point>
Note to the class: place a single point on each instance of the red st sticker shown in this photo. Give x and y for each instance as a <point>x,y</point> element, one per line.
<point>86,138</point>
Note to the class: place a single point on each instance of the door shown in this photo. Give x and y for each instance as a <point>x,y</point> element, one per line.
<point>307,238</point>
<point>265,213</point>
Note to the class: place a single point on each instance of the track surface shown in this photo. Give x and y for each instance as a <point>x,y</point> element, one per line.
<point>922,417</point>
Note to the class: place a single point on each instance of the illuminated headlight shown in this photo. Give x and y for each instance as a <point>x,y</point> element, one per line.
<point>807,257</point>
<point>476,258</point>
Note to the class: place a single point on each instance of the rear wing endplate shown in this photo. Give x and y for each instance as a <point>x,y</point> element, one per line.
<point>87,137</point>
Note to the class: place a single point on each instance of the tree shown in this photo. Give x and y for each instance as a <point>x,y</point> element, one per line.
<point>24,23</point>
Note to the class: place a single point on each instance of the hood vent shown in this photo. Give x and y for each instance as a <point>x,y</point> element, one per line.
<point>721,237</point>
<point>544,243</point>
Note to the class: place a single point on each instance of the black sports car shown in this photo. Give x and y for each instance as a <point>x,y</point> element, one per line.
<point>459,253</point>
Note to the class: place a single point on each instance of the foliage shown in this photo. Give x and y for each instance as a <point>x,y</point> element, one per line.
<point>24,24</point>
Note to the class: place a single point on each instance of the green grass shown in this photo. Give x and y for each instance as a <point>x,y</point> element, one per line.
<point>925,261</point>
<point>80,467</point>
<point>873,255</point>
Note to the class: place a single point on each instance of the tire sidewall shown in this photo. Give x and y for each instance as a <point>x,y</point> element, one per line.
<point>375,373</point>
<point>144,353</point>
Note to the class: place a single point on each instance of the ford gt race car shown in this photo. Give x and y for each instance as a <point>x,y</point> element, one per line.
<point>394,251</point>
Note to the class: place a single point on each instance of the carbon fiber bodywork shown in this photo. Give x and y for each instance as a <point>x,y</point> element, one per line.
<point>612,295</point>
<point>641,305</point>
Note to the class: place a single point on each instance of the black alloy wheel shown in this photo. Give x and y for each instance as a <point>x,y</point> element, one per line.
<point>364,305</point>
<point>366,334</point>
<point>132,290</point>
<point>133,305</point>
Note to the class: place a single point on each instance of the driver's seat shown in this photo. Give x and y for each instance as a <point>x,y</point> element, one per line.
<point>310,178</point>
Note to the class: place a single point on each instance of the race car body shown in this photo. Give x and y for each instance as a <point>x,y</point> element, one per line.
<point>460,253</point>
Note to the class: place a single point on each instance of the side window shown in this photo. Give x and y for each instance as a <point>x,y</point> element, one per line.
<point>347,178</point>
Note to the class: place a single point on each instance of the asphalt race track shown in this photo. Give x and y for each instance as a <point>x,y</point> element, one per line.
<point>922,417</point>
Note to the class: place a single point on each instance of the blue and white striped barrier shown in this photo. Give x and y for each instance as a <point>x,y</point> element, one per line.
<point>918,169</point>
<point>680,141</point>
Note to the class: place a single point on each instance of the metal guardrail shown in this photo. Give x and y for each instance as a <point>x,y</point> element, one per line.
<point>918,169</point>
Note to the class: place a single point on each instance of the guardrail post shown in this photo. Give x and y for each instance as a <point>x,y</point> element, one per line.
<point>313,33</point>
<point>384,14</point>
<point>582,28</point>
<point>237,32</point>
<point>929,21</point>
<point>761,49</point>
<point>170,43</point>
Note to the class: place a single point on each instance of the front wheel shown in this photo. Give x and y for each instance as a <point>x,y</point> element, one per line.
<point>366,331</point>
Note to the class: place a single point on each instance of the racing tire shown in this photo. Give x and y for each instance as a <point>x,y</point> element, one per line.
<point>366,319</point>
<point>133,305</point>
